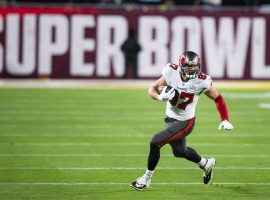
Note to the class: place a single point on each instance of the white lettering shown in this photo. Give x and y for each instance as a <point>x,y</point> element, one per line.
<point>79,45</point>
<point>179,26</point>
<point>237,47</point>
<point>226,42</point>
<point>49,45</point>
<point>153,37</point>
<point>111,33</point>
<point>258,67</point>
<point>25,65</point>
<point>224,48</point>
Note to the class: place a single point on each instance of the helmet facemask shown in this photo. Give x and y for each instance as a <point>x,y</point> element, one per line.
<point>190,71</point>
<point>189,64</point>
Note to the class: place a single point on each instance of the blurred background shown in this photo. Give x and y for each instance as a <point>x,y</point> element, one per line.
<point>85,39</point>
<point>157,2</point>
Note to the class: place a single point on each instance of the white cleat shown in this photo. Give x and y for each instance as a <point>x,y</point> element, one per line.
<point>141,183</point>
<point>208,170</point>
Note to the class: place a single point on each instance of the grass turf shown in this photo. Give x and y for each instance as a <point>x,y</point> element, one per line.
<point>90,144</point>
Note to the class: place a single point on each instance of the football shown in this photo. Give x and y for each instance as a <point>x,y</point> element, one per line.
<point>168,87</point>
<point>174,100</point>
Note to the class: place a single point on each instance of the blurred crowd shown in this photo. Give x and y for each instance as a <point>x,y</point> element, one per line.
<point>150,2</point>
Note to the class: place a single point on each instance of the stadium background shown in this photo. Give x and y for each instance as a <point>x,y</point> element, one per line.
<point>72,127</point>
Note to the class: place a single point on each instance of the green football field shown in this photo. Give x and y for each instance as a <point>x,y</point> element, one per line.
<point>91,143</point>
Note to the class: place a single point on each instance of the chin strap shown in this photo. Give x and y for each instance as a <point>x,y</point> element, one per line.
<point>222,108</point>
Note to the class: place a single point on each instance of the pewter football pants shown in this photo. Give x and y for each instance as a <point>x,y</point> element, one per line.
<point>174,134</point>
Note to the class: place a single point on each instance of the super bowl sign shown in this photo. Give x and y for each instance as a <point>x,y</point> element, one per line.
<point>85,43</point>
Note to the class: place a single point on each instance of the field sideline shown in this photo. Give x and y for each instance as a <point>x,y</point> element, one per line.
<point>90,143</point>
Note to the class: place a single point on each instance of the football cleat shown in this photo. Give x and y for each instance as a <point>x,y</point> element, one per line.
<point>141,183</point>
<point>208,170</point>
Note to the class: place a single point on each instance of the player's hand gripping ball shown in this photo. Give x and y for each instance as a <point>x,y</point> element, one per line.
<point>167,93</point>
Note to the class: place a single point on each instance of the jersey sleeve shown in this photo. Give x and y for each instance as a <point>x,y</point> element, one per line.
<point>207,83</point>
<point>167,72</point>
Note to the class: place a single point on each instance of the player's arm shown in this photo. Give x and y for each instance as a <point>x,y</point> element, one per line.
<point>165,93</point>
<point>153,90</point>
<point>213,94</point>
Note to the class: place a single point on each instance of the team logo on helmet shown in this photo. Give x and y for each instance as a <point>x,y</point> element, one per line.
<point>182,59</point>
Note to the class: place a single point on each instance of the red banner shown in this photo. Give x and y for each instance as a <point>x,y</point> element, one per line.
<point>86,42</point>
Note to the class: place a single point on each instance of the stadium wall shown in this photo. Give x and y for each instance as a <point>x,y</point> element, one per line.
<point>65,42</point>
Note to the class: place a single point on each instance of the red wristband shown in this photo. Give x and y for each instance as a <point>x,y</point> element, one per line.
<point>222,108</point>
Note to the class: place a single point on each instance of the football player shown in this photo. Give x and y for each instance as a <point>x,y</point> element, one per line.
<point>182,86</point>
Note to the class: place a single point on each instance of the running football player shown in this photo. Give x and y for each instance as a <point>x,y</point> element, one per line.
<point>182,86</point>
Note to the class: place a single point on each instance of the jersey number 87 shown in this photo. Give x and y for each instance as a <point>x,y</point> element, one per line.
<point>187,99</point>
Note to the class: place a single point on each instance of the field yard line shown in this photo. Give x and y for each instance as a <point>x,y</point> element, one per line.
<point>94,120</point>
<point>59,126</point>
<point>129,168</point>
<point>135,135</point>
<point>249,95</point>
<point>264,105</point>
<point>104,126</point>
<point>124,144</point>
<point>121,183</point>
<point>126,155</point>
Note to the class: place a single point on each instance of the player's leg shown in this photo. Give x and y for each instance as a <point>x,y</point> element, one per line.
<point>153,158</point>
<point>180,149</point>
<point>173,131</point>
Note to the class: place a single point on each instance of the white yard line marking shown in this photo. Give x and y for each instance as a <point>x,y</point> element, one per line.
<point>134,135</point>
<point>128,168</point>
<point>251,95</point>
<point>126,155</point>
<point>125,144</point>
<point>93,126</point>
<point>86,119</point>
<point>90,135</point>
<point>90,118</point>
<point>264,105</point>
<point>122,126</point>
<point>121,183</point>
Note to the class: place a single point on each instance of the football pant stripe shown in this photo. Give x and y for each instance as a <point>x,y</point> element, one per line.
<point>179,134</point>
